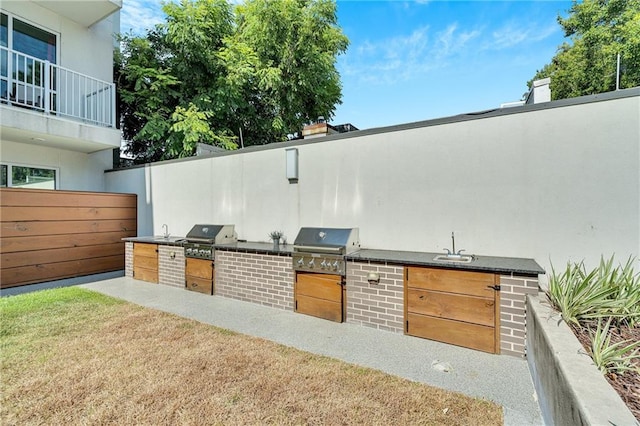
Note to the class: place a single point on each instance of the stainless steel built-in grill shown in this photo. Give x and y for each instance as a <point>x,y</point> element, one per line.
<point>201,239</point>
<point>322,250</point>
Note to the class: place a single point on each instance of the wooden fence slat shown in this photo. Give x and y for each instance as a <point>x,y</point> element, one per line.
<point>20,214</point>
<point>37,273</point>
<point>22,244</point>
<point>32,228</point>
<point>38,257</point>
<point>48,198</point>
<point>48,235</point>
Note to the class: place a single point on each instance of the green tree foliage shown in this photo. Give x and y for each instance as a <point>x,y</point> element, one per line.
<point>599,30</point>
<point>214,70</point>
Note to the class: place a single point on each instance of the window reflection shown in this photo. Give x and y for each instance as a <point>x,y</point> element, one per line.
<point>34,41</point>
<point>27,177</point>
<point>33,178</point>
<point>4,30</point>
<point>3,176</point>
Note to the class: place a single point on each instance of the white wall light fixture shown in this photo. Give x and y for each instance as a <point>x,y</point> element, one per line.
<point>292,164</point>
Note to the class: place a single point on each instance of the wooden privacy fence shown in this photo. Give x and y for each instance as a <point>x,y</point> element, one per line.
<point>47,235</point>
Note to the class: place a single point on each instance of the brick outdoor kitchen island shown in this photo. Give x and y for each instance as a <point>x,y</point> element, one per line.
<point>480,305</point>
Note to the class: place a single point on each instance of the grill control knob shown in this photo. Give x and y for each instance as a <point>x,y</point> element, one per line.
<point>301,261</point>
<point>324,264</point>
<point>335,265</point>
<point>311,263</point>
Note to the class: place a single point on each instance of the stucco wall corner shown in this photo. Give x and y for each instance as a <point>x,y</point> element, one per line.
<point>570,388</point>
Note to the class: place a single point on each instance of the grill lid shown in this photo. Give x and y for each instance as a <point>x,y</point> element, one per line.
<point>212,234</point>
<point>327,240</point>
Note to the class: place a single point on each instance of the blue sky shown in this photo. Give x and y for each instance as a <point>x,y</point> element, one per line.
<point>416,60</point>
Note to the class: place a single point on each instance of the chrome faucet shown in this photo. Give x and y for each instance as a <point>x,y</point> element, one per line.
<point>453,252</point>
<point>165,229</point>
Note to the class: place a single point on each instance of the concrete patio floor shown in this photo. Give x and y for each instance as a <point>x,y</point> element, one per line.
<point>503,379</point>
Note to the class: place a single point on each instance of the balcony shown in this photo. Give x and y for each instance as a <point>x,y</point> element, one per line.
<point>81,107</point>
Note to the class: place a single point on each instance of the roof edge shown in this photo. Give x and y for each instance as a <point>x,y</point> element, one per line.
<point>495,112</point>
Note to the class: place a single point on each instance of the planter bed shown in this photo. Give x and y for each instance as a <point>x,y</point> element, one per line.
<point>570,388</point>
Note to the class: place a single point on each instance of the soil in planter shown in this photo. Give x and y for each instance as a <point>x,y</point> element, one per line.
<point>628,384</point>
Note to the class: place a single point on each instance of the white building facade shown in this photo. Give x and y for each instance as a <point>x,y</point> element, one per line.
<point>57,97</point>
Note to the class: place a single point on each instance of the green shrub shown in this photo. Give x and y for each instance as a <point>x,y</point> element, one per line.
<point>627,284</point>
<point>613,358</point>
<point>604,292</point>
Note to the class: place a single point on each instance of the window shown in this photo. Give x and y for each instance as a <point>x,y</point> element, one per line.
<point>22,71</point>
<point>12,175</point>
<point>34,41</point>
<point>28,39</point>
<point>4,57</point>
<point>4,30</point>
<point>3,176</point>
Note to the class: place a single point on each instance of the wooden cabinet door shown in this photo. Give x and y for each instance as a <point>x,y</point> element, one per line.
<point>457,307</point>
<point>198,284</point>
<point>199,275</point>
<point>199,268</point>
<point>145,249</point>
<point>320,295</point>
<point>145,262</point>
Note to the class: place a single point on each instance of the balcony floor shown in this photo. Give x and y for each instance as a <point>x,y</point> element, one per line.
<point>34,127</point>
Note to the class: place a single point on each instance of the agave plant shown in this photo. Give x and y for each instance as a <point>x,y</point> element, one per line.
<point>627,284</point>
<point>579,295</point>
<point>613,358</point>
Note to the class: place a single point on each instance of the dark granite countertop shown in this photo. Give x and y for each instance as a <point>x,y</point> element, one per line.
<point>170,241</point>
<point>244,246</point>
<point>501,265</point>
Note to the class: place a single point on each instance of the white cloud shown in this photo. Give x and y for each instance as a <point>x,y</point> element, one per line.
<point>408,56</point>
<point>404,57</point>
<point>140,15</point>
<point>451,42</point>
<point>512,34</point>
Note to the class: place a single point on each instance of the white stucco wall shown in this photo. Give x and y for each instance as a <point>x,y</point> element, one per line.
<point>553,184</point>
<point>81,49</point>
<point>76,171</point>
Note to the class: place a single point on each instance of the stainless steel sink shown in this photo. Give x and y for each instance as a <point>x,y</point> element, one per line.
<point>454,258</point>
<point>168,239</point>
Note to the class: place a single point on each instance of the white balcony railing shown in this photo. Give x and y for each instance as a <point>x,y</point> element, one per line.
<point>32,83</point>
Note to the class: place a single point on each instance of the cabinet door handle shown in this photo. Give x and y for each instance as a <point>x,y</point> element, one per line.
<point>494,287</point>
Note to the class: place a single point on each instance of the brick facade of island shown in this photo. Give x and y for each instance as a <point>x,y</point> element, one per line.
<point>264,279</point>
<point>381,305</point>
<point>171,265</point>
<point>128,259</point>
<point>513,314</point>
